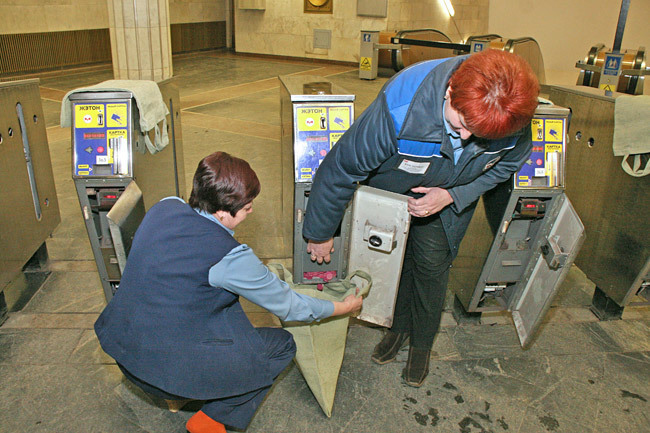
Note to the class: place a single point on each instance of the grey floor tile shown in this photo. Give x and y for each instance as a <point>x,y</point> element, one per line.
<point>261,107</point>
<point>74,292</point>
<point>37,346</point>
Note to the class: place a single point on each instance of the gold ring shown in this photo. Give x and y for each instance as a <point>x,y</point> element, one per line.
<point>426,212</point>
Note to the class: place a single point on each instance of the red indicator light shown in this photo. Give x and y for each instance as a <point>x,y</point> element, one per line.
<point>530,206</point>
<point>110,196</point>
<point>539,161</point>
<point>100,149</point>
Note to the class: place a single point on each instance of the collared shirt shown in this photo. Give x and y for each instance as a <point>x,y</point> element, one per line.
<point>242,273</point>
<point>454,137</point>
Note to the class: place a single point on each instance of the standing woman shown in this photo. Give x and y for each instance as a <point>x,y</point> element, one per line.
<point>175,326</point>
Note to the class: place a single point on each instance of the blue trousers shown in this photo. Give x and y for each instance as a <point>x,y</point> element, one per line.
<point>238,410</point>
<point>423,283</point>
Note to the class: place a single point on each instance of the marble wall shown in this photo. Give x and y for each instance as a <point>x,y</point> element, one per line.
<point>471,17</point>
<point>566,31</point>
<point>197,11</point>
<point>37,16</point>
<point>284,29</point>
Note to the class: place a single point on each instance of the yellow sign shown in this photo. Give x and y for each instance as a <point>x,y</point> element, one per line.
<point>553,147</point>
<point>607,87</point>
<point>116,115</point>
<point>89,116</point>
<point>334,138</point>
<point>554,129</point>
<point>312,118</point>
<point>365,64</point>
<point>537,127</point>
<point>339,118</point>
<point>112,134</point>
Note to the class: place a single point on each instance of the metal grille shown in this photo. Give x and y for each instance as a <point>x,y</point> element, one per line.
<point>187,37</point>
<point>32,52</point>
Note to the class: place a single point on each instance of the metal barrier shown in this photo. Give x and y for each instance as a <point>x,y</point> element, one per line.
<point>412,46</point>
<point>29,210</point>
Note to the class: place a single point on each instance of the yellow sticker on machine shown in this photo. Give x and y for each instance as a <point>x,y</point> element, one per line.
<point>116,115</point>
<point>553,147</point>
<point>339,118</point>
<point>89,115</point>
<point>111,135</point>
<point>334,137</point>
<point>554,129</point>
<point>365,64</point>
<point>537,128</point>
<point>312,118</point>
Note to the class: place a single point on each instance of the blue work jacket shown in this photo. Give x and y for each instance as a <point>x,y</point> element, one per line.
<point>399,142</point>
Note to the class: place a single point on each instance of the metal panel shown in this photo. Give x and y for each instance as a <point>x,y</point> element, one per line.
<point>612,205</point>
<point>304,270</point>
<point>158,175</point>
<point>314,113</point>
<point>162,174</point>
<point>124,218</point>
<point>551,262</point>
<point>29,209</point>
<point>380,226</point>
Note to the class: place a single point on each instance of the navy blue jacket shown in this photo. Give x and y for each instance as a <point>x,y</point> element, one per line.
<point>167,325</point>
<point>405,126</point>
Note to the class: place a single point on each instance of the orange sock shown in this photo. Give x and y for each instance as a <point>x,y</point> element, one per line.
<point>201,423</point>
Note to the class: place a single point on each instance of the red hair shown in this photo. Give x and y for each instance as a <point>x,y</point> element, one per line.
<point>495,92</point>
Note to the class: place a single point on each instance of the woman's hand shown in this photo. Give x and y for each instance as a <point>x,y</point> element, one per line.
<point>433,201</point>
<point>351,304</point>
<point>320,251</point>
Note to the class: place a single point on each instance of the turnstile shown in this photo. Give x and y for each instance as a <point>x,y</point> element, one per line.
<point>29,208</point>
<point>613,205</point>
<point>108,154</point>
<point>411,46</point>
<point>314,114</point>
<point>538,234</point>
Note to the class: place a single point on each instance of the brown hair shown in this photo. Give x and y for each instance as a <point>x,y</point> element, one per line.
<point>496,92</point>
<point>223,182</point>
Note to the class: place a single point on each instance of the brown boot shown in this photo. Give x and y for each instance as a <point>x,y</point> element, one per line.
<point>387,349</point>
<point>417,366</point>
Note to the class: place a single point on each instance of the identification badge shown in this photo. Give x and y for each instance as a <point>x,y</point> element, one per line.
<point>490,164</point>
<point>413,167</point>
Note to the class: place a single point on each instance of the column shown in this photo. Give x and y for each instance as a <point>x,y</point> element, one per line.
<point>140,39</point>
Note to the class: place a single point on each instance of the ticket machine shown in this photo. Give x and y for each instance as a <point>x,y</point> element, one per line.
<point>314,115</point>
<point>520,264</point>
<point>108,154</point>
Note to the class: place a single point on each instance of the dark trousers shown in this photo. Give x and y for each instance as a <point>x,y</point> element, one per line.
<point>238,410</point>
<point>423,283</point>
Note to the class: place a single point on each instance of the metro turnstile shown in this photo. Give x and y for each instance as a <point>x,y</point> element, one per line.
<point>314,114</point>
<point>108,153</point>
<point>29,208</point>
<point>431,44</point>
<point>613,205</point>
<point>520,267</point>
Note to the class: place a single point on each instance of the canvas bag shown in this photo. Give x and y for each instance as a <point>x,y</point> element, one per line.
<point>321,345</point>
<point>631,139</point>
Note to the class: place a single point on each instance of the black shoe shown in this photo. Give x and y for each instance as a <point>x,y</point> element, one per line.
<point>417,366</point>
<point>387,349</point>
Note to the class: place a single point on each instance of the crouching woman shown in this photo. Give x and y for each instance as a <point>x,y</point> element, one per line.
<point>175,326</point>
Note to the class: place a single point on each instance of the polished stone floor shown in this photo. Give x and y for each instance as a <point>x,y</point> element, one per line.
<point>580,375</point>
